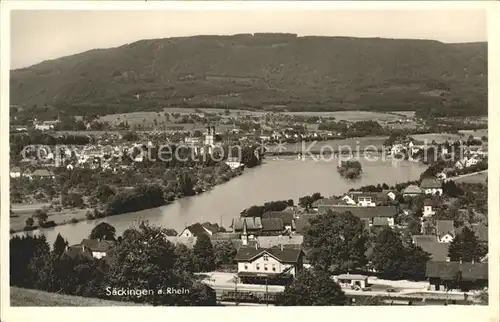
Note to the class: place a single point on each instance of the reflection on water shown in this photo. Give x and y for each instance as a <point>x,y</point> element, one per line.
<point>287,178</point>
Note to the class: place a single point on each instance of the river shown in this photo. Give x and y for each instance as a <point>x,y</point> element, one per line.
<point>288,178</point>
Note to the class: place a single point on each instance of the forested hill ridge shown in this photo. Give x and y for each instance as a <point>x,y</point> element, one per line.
<point>261,71</point>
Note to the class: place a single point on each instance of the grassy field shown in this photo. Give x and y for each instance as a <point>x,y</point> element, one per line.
<point>26,297</point>
<point>148,117</point>
<point>476,178</point>
<point>477,133</point>
<point>438,137</point>
<point>24,211</point>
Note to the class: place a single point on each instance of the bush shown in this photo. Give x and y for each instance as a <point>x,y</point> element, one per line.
<point>73,220</point>
<point>48,224</point>
<point>89,215</point>
<point>98,214</point>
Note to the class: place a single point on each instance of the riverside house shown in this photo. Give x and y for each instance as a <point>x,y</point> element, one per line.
<point>92,248</point>
<point>197,230</point>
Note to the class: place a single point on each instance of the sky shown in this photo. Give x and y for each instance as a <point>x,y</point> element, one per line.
<point>42,35</point>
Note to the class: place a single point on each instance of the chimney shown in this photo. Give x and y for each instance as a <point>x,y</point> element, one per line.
<point>256,246</point>
<point>281,246</point>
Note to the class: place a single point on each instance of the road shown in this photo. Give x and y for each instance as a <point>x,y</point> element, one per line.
<point>404,289</point>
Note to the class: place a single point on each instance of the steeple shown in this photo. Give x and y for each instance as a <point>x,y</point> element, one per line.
<point>244,236</point>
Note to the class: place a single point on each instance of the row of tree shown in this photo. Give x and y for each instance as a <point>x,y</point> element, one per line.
<point>141,259</point>
<point>339,243</point>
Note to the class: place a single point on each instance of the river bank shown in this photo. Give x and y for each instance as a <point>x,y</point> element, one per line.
<point>284,179</point>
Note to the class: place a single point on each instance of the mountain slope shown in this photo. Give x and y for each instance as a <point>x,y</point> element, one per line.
<point>259,71</point>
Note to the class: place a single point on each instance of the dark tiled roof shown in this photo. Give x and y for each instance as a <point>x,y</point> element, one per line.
<point>97,245</point>
<point>377,197</point>
<point>429,202</point>
<point>438,251</point>
<point>474,270</point>
<point>430,183</point>
<point>211,227</point>
<point>272,224</point>
<point>326,201</point>
<point>442,269</point>
<point>77,250</point>
<point>253,223</point>
<point>15,169</point>
<point>286,217</point>
<point>224,236</point>
<point>451,270</point>
<point>377,221</point>
<point>287,255</point>
<point>444,227</point>
<point>272,241</point>
<point>361,212</point>
<point>197,230</point>
<point>302,222</point>
<point>412,189</point>
<point>423,239</point>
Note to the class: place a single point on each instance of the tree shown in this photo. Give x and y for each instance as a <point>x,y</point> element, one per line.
<point>388,254</point>
<point>72,199</point>
<point>465,247</point>
<point>204,254</point>
<point>144,259</point>
<point>103,231</point>
<point>306,202</point>
<point>414,263</point>
<point>41,216</point>
<point>312,288</point>
<point>224,253</point>
<point>451,189</point>
<point>30,222</point>
<point>184,259</point>
<point>60,245</point>
<point>185,184</point>
<point>350,169</point>
<point>22,251</point>
<point>337,241</point>
<point>103,193</point>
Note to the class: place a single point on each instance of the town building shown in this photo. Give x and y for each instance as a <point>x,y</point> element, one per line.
<point>429,208</point>
<point>15,172</point>
<point>375,215</point>
<point>431,186</point>
<point>234,163</point>
<point>97,248</point>
<point>197,230</point>
<point>258,226</point>
<point>445,231</point>
<point>457,276</point>
<point>286,217</point>
<point>430,244</point>
<point>276,265</point>
<point>289,241</point>
<point>412,191</point>
<point>353,281</point>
